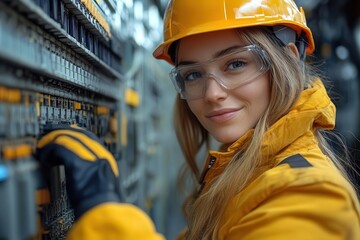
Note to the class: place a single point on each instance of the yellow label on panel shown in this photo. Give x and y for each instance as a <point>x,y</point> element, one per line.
<point>124,134</point>
<point>132,97</point>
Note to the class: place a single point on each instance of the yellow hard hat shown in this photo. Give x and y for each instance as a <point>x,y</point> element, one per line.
<point>188,17</point>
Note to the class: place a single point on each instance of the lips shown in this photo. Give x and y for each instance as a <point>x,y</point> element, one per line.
<point>223,115</point>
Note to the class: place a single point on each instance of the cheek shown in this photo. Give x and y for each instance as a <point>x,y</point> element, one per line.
<point>195,107</point>
<point>257,93</point>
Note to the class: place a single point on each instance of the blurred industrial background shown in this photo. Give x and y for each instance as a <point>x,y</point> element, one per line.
<point>89,62</point>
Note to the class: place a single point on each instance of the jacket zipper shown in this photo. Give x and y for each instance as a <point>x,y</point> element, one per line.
<point>202,178</point>
<point>212,161</point>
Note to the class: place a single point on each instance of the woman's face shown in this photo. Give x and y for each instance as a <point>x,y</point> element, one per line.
<point>226,114</point>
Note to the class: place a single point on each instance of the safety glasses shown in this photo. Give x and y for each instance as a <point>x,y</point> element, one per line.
<point>231,70</point>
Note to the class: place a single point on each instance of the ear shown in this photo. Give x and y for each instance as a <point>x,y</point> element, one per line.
<point>294,49</point>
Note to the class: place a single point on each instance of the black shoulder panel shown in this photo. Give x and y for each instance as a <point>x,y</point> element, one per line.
<point>296,161</point>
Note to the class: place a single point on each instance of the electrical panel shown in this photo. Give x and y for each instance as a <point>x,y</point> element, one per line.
<point>59,65</point>
<point>84,62</point>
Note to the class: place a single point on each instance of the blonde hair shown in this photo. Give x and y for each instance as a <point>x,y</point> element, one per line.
<point>288,79</point>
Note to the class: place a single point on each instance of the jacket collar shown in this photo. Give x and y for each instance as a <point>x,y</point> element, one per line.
<point>313,110</point>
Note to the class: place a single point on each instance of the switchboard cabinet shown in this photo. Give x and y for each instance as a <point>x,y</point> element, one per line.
<point>57,68</point>
<point>62,63</point>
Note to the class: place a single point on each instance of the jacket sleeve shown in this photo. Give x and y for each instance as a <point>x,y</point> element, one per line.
<point>314,211</point>
<point>114,221</point>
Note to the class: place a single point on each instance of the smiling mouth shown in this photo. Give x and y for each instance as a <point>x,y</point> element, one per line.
<point>223,115</point>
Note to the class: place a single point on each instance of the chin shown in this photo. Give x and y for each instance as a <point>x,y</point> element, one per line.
<point>228,136</point>
<point>226,139</point>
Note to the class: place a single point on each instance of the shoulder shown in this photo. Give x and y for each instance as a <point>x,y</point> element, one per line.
<point>307,176</point>
<point>299,170</point>
<point>295,197</point>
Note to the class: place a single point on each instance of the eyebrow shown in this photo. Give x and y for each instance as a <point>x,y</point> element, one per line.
<point>216,55</point>
<point>226,51</point>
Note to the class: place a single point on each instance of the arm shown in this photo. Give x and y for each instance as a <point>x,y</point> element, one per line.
<point>114,221</point>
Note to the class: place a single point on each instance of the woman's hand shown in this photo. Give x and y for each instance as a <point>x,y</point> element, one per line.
<point>92,174</point>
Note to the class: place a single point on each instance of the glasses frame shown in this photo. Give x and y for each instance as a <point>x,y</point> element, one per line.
<point>263,57</point>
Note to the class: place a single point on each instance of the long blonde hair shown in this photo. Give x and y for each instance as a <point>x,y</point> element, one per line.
<point>288,79</point>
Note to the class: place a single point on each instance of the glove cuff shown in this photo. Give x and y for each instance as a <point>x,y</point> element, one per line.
<point>85,205</point>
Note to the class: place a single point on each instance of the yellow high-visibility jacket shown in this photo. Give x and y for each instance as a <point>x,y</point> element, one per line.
<point>298,194</point>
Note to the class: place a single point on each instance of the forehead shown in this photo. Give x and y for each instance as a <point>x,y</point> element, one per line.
<point>202,46</point>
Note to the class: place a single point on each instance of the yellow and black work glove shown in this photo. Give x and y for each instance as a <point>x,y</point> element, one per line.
<point>92,174</point>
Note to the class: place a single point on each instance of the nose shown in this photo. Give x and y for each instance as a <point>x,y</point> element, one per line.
<point>214,90</point>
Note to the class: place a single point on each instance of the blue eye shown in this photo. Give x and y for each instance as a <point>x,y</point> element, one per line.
<point>191,76</point>
<point>236,65</point>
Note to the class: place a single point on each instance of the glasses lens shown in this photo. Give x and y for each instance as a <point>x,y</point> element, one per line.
<point>232,70</point>
<point>241,67</point>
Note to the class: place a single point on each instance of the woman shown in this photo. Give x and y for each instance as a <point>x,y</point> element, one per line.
<point>241,79</point>
<point>240,74</point>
